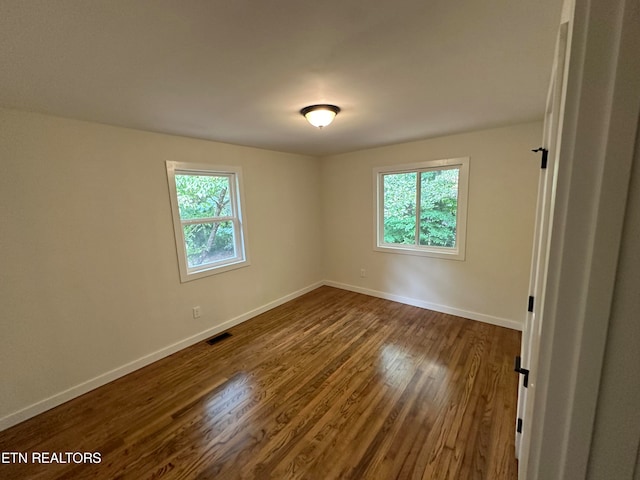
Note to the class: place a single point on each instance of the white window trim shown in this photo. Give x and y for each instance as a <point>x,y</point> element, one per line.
<point>236,194</point>
<point>457,253</point>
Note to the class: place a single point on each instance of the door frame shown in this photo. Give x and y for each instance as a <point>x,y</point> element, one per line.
<point>600,123</point>
<point>540,253</point>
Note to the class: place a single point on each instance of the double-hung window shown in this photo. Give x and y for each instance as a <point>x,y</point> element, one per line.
<point>421,209</point>
<point>207,218</point>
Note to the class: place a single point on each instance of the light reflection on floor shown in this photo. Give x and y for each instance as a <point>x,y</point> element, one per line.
<point>237,391</point>
<point>225,405</point>
<point>397,365</point>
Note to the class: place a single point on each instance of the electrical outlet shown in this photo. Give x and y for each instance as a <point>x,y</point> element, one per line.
<point>196,311</point>
<point>363,273</point>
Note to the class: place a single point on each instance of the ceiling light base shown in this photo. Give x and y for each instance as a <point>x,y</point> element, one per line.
<point>320,115</point>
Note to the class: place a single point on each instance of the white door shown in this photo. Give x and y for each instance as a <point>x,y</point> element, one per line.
<point>540,256</point>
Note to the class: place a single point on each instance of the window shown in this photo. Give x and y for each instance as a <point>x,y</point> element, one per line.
<point>207,218</point>
<point>421,209</point>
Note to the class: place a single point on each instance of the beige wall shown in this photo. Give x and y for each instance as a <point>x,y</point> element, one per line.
<point>89,284</point>
<point>492,283</point>
<point>89,279</point>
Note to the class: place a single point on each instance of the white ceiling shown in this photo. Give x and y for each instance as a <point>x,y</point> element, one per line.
<point>239,71</point>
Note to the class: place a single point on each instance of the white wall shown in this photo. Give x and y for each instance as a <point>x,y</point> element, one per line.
<point>89,284</point>
<point>89,278</point>
<point>616,436</point>
<point>492,283</point>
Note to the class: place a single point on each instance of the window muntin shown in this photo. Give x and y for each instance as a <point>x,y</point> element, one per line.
<point>421,208</point>
<point>208,224</point>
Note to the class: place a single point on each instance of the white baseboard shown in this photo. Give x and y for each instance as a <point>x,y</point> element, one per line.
<point>84,387</point>
<point>481,317</point>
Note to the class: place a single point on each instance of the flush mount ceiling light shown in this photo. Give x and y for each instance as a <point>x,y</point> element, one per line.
<point>320,115</point>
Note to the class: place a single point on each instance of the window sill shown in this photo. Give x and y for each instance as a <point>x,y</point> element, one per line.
<point>434,252</point>
<point>212,270</point>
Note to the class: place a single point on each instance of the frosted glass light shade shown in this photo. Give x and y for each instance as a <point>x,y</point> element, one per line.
<point>320,115</point>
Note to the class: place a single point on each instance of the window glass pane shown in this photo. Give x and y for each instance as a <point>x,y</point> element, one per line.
<point>400,208</point>
<point>209,242</point>
<point>203,196</point>
<point>438,207</point>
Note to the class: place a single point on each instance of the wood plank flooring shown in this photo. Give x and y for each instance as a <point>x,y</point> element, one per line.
<point>332,385</point>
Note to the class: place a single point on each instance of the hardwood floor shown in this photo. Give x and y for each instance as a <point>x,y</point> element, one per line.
<point>331,385</point>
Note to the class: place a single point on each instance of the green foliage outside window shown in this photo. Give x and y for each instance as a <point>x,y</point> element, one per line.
<point>438,207</point>
<point>205,197</point>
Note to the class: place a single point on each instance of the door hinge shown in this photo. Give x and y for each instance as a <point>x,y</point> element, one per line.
<point>545,156</point>
<point>518,368</point>
<point>519,426</point>
<point>530,304</point>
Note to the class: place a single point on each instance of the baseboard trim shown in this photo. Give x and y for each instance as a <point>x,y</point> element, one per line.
<point>84,387</point>
<point>481,317</point>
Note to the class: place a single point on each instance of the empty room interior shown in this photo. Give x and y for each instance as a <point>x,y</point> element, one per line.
<point>319,240</point>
